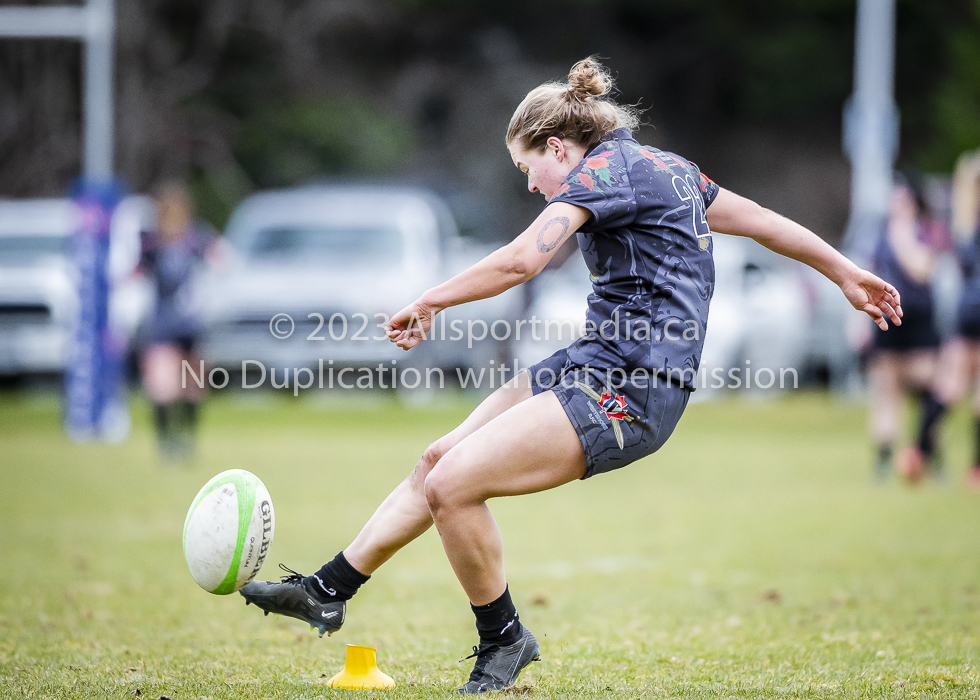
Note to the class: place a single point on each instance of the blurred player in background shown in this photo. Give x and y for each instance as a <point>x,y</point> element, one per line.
<point>958,371</point>
<point>172,256</point>
<point>903,360</point>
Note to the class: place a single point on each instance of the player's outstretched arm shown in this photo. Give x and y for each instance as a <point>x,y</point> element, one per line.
<point>729,213</point>
<point>506,267</point>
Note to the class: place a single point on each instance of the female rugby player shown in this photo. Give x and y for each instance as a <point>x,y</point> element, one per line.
<point>904,360</point>
<point>172,256</point>
<point>644,219</point>
<point>959,360</point>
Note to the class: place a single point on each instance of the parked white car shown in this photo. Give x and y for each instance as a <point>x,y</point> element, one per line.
<point>39,285</point>
<point>318,269</point>
<point>38,301</point>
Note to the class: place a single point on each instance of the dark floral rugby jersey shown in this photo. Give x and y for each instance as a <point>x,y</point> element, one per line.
<point>649,250</point>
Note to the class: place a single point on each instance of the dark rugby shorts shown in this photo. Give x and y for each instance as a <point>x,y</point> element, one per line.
<point>616,425</point>
<point>968,321</point>
<point>917,332</point>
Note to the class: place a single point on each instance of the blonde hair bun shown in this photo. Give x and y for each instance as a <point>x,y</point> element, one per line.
<point>589,78</point>
<point>578,110</point>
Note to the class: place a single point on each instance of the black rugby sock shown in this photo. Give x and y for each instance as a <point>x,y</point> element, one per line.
<point>190,413</point>
<point>976,445</point>
<point>932,412</point>
<point>498,622</point>
<point>884,456</point>
<point>337,580</point>
<point>161,418</point>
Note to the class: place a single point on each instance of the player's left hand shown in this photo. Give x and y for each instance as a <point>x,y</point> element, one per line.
<point>875,297</point>
<point>411,325</point>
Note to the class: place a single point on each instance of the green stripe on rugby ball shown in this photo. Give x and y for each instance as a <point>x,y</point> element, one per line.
<point>245,486</point>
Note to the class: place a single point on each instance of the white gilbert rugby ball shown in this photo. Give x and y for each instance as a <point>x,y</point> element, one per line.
<point>228,531</point>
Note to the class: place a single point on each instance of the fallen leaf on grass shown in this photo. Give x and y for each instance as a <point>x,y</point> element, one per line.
<point>772,596</point>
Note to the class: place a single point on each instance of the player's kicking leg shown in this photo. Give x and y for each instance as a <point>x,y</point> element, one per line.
<point>321,599</point>
<point>531,447</point>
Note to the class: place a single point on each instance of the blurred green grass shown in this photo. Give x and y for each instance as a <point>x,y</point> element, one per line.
<point>751,557</point>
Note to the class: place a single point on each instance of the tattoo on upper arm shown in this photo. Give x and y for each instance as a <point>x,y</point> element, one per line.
<point>550,236</point>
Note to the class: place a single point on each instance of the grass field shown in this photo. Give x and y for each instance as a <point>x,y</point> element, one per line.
<point>751,557</point>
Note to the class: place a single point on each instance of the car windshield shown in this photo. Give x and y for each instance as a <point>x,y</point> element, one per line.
<point>20,249</point>
<point>324,243</point>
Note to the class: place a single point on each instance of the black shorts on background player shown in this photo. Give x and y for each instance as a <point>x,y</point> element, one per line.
<point>968,324</point>
<point>968,313</point>
<point>918,329</point>
<point>917,332</point>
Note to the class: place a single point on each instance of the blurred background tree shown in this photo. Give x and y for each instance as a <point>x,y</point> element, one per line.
<point>238,95</point>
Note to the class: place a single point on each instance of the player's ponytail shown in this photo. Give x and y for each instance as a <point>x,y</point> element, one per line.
<point>579,109</point>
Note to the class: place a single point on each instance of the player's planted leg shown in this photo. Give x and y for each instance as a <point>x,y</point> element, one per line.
<point>506,646</point>
<point>530,448</point>
<point>497,667</point>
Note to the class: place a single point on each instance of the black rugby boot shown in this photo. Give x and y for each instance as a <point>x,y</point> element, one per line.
<point>497,667</point>
<point>295,597</point>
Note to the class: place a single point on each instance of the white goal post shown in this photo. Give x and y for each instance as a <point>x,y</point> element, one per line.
<point>94,25</point>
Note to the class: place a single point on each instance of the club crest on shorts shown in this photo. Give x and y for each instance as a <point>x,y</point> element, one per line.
<point>613,405</point>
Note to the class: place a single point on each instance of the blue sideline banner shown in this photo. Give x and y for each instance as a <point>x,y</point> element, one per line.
<point>94,389</point>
